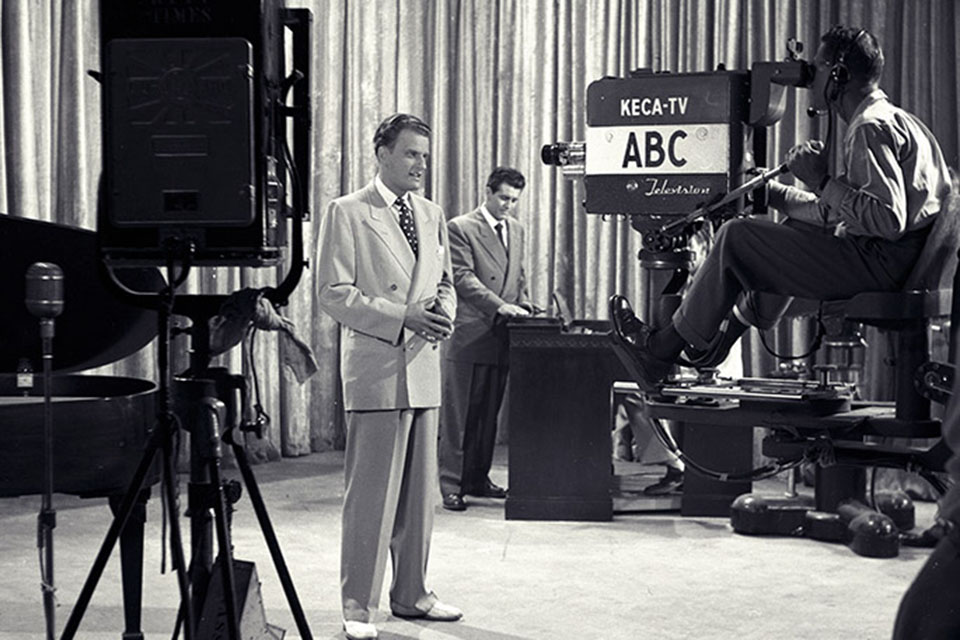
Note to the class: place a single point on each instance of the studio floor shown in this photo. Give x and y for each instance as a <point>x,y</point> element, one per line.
<point>643,575</point>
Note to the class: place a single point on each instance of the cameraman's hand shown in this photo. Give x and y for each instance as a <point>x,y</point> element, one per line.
<point>512,310</point>
<point>426,323</point>
<point>808,162</point>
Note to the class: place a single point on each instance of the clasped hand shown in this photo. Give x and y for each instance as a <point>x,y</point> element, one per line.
<point>808,162</point>
<point>427,323</point>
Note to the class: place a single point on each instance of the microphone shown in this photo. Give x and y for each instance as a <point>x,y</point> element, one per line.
<point>813,112</point>
<point>44,295</point>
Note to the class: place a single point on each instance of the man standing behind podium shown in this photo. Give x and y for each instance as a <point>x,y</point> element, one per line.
<point>383,273</point>
<point>486,248</point>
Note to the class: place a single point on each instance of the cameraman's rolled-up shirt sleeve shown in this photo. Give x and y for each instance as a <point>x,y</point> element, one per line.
<point>870,198</point>
<point>795,203</point>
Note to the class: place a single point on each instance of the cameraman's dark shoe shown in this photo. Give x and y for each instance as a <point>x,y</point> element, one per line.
<point>671,482</point>
<point>631,344</point>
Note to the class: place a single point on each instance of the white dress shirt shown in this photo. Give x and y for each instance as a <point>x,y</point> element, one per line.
<point>493,222</point>
<point>390,197</point>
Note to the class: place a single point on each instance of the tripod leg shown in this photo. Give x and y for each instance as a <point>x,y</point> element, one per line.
<point>207,433</point>
<point>106,548</point>
<point>201,526</point>
<point>226,553</point>
<point>176,540</point>
<point>271,538</point>
<point>131,563</point>
<point>182,609</point>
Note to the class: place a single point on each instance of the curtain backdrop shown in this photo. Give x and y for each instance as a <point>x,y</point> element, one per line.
<point>496,79</point>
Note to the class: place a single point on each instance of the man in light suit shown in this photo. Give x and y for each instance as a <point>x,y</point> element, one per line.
<point>486,247</point>
<point>384,274</point>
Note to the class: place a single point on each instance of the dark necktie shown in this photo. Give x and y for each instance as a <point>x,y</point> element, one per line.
<point>406,224</point>
<point>500,234</point>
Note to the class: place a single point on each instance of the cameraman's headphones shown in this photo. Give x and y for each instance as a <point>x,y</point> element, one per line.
<point>839,73</point>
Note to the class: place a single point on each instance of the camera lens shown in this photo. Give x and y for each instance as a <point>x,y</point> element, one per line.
<point>550,153</point>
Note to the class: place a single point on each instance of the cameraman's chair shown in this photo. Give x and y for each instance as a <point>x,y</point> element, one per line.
<point>927,294</point>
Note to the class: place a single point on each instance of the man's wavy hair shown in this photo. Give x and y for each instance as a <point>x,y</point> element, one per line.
<point>507,175</point>
<point>389,130</point>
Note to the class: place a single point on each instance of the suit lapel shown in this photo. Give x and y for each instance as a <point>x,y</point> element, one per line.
<point>489,240</point>
<point>515,242</point>
<point>384,224</point>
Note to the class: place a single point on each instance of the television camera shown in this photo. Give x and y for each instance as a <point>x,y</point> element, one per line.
<point>661,145</point>
<point>671,150</point>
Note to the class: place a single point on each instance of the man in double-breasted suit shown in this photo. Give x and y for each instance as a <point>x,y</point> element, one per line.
<point>383,273</point>
<point>486,248</point>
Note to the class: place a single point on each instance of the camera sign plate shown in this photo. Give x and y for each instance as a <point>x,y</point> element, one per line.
<point>661,144</point>
<point>692,149</point>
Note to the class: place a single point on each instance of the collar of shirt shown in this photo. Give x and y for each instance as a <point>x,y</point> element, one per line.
<point>389,196</point>
<point>871,98</point>
<point>492,221</point>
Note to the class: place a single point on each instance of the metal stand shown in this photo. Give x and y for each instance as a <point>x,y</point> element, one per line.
<point>266,527</point>
<point>47,519</point>
<point>44,299</point>
<point>161,439</point>
<point>205,414</point>
<point>209,392</point>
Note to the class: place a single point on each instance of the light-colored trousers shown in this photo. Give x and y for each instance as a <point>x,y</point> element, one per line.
<point>388,504</point>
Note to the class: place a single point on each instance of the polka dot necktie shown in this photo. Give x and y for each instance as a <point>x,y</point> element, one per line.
<point>406,224</point>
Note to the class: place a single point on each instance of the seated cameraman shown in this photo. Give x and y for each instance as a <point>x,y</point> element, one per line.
<point>859,231</point>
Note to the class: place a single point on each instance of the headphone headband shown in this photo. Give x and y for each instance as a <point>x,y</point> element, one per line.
<point>845,51</point>
<point>839,73</point>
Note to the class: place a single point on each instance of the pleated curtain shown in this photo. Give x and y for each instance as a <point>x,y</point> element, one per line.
<point>496,79</point>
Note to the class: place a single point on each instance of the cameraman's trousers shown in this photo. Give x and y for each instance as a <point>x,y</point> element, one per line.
<point>776,262</point>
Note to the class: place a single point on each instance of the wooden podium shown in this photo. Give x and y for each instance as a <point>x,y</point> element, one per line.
<point>560,458</point>
<point>560,464</point>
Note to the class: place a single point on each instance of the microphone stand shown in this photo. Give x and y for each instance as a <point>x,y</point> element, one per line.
<point>45,300</point>
<point>47,520</point>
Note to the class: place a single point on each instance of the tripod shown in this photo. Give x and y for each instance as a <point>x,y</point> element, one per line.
<point>160,440</point>
<point>209,412</point>
<point>217,384</point>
